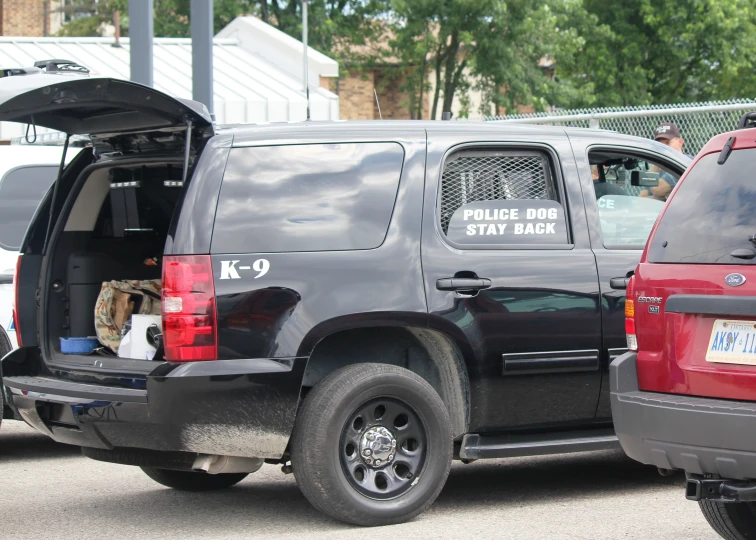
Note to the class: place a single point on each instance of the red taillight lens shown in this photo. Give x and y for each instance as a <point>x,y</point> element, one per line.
<point>15,301</point>
<point>632,339</point>
<point>189,318</point>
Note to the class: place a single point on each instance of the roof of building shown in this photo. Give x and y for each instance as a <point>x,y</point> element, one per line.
<point>253,80</point>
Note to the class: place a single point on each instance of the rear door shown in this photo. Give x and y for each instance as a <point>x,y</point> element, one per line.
<point>701,267</point>
<point>509,272</point>
<point>619,220</point>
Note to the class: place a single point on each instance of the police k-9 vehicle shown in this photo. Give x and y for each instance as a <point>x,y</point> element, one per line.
<point>360,302</point>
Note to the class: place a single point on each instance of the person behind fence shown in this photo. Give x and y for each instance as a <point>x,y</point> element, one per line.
<point>668,134</point>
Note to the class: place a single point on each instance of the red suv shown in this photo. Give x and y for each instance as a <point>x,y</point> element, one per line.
<point>684,396</point>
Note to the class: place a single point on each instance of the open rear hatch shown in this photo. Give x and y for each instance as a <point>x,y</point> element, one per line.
<point>82,105</point>
<point>695,291</point>
<point>72,243</point>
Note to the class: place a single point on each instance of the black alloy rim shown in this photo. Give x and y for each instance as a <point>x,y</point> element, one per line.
<point>394,477</point>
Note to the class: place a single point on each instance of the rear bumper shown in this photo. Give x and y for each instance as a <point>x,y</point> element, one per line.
<point>227,407</point>
<point>697,435</point>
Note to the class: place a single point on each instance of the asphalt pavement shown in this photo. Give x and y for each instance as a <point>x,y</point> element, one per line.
<point>50,491</point>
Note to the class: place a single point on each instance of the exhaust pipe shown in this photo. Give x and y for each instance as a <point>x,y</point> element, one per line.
<point>214,464</point>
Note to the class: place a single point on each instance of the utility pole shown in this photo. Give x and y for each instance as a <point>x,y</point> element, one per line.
<point>141,32</point>
<point>201,21</point>
<point>305,60</point>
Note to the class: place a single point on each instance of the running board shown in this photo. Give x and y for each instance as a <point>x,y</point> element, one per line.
<point>476,446</point>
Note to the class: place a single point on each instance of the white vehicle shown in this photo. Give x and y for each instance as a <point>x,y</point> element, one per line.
<point>26,173</point>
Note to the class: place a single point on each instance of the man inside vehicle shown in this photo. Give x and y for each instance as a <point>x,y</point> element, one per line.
<point>601,186</point>
<point>666,133</point>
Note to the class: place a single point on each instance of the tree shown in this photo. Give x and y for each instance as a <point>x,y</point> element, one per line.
<point>335,26</point>
<point>662,51</point>
<point>492,45</point>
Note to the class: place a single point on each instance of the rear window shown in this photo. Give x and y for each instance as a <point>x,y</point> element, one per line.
<point>21,190</point>
<point>711,218</point>
<point>315,197</point>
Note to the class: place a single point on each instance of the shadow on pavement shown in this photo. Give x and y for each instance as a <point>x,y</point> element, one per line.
<point>21,442</point>
<point>271,504</point>
<point>554,478</point>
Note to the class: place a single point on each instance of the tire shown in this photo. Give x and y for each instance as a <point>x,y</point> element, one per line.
<point>5,348</point>
<point>733,521</point>
<point>193,481</point>
<point>398,410</point>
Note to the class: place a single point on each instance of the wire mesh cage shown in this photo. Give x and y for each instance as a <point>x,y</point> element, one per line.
<point>471,176</point>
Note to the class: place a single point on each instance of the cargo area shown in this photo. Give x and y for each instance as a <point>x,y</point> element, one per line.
<point>115,230</point>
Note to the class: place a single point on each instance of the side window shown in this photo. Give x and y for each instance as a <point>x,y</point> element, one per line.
<point>21,191</point>
<point>312,197</point>
<point>630,192</point>
<point>501,198</point>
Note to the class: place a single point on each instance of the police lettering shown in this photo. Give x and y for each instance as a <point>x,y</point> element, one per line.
<point>534,228</point>
<point>491,214</point>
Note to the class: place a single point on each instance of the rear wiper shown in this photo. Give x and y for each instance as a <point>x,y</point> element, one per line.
<point>726,151</point>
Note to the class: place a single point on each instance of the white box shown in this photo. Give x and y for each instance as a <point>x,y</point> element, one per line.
<point>134,343</point>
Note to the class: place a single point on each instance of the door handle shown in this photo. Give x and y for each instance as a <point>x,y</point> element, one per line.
<point>619,283</point>
<point>462,284</point>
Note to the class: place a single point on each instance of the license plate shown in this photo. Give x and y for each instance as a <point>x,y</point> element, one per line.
<point>732,342</point>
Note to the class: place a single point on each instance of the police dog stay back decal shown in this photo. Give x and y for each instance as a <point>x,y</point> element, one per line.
<point>509,222</point>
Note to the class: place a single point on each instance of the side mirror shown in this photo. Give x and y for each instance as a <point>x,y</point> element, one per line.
<point>644,178</point>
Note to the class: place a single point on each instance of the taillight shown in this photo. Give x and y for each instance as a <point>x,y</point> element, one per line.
<point>189,318</point>
<point>632,340</point>
<point>15,301</point>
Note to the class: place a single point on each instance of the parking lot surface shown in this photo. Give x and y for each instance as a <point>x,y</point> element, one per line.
<point>51,491</point>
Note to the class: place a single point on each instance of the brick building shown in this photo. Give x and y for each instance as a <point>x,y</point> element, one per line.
<point>31,18</point>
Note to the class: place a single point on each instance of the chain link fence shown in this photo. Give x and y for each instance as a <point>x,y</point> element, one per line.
<point>698,122</point>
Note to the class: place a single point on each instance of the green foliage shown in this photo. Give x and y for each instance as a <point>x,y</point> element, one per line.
<point>490,45</point>
<point>624,52</point>
<point>661,51</point>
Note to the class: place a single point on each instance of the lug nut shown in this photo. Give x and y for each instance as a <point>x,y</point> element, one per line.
<point>368,461</point>
<point>391,456</point>
<point>377,461</point>
<point>393,442</point>
<point>370,437</point>
<point>366,452</point>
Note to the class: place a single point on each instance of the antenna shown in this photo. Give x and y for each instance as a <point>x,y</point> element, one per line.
<point>377,103</point>
<point>305,68</point>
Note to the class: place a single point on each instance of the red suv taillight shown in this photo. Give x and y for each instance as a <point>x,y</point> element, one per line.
<point>189,318</point>
<point>15,301</point>
<point>632,340</point>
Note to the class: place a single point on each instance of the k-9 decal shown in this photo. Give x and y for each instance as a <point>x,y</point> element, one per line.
<point>230,269</point>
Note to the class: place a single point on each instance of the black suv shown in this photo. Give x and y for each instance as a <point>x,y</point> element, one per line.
<point>366,301</point>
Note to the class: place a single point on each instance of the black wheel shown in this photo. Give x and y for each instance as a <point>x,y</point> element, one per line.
<point>372,445</point>
<point>193,481</point>
<point>733,521</point>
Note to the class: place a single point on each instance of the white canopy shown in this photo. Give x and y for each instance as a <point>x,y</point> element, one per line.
<point>256,77</point>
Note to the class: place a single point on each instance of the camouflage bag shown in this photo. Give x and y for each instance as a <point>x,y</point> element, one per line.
<point>117,301</point>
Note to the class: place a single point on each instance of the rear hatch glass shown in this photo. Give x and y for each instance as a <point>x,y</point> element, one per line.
<point>703,274</point>
<point>711,218</point>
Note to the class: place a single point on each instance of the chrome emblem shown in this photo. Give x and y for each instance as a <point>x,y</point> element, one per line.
<point>735,280</point>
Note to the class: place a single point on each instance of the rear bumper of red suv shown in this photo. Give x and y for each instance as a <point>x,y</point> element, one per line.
<point>697,435</point>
